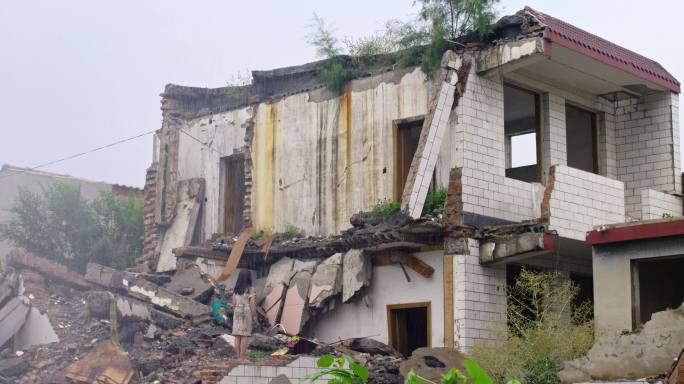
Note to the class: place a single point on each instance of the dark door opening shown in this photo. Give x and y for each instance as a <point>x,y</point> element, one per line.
<point>409,326</point>
<point>233,193</point>
<point>406,137</point>
<point>657,285</point>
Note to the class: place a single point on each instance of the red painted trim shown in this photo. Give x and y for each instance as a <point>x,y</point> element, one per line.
<point>636,232</point>
<point>548,47</point>
<point>558,38</point>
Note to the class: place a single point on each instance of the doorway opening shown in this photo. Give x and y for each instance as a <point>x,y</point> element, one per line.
<point>657,285</point>
<point>233,192</point>
<point>409,326</point>
<point>406,137</point>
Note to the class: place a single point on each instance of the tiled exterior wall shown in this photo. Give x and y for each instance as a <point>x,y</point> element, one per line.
<point>479,298</point>
<point>554,146</point>
<point>647,138</point>
<point>479,131</point>
<point>264,374</point>
<point>581,200</point>
<point>654,204</point>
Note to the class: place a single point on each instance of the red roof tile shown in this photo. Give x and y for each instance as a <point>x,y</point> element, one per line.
<point>569,36</point>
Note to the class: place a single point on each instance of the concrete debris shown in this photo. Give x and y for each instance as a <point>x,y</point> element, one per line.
<point>9,284</point>
<point>106,364</point>
<point>166,300</point>
<point>326,282</point>
<point>191,282</point>
<point>265,343</point>
<point>190,195</point>
<point>279,276</point>
<point>449,357</point>
<point>12,317</point>
<point>649,351</point>
<point>356,273</point>
<point>105,276</point>
<point>37,330</point>
<point>13,367</point>
<point>370,346</point>
<point>19,258</point>
<point>295,310</point>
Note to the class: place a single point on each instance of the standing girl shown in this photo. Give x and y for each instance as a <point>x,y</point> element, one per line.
<point>244,312</point>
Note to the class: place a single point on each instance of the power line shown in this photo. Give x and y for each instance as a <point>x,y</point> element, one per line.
<point>200,141</point>
<point>78,154</point>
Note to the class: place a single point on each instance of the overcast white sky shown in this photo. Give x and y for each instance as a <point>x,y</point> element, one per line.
<point>75,75</point>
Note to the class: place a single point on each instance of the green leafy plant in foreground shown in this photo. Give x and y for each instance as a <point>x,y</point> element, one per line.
<point>474,374</point>
<point>342,369</point>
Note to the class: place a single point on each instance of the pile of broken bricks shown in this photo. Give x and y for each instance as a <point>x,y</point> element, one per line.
<point>123,327</point>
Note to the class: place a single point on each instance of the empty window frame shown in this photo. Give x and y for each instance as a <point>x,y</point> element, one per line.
<point>409,326</point>
<point>580,137</point>
<point>406,137</point>
<point>522,134</point>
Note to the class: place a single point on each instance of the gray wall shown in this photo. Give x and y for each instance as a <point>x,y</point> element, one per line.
<point>612,278</point>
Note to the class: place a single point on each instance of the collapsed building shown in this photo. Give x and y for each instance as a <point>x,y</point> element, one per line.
<point>553,145</point>
<point>538,137</point>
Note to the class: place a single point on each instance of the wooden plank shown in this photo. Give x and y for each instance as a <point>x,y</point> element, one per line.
<point>448,278</point>
<point>406,259</point>
<point>236,254</point>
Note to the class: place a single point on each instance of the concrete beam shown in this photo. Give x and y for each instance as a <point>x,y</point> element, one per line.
<point>509,56</point>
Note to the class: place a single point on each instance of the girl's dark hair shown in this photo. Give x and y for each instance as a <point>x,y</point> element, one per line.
<point>244,282</point>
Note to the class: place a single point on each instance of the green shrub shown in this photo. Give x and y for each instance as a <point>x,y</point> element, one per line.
<point>334,74</point>
<point>434,201</point>
<point>544,329</point>
<point>59,224</point>
<point>290,232</point>
<point>342,369</point>
<point>387,207</point>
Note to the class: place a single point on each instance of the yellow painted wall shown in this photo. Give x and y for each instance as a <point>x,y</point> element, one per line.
<point>318,162</point>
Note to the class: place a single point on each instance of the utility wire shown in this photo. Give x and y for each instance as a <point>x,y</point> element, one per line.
<point>78,154</point>
<point>200,141</point>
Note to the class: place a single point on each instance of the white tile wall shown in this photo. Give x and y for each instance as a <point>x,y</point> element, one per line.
<point>479,299</point>
<point>263,374</point>
<point>580,200</point>
<point>654,204</point>
<point>647,143</point>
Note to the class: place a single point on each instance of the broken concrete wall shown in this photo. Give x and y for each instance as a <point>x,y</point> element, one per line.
<point>357,272</point>
<point>183,228</point>
<point>655,204</point>
<point>37,330</point>
<point>326,282</point>
<point>275,288</point>
<point>581,200</point>
<point>368,316</point>
<point>648,352</point>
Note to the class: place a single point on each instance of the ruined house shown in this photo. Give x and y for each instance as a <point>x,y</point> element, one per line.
<point>539,136</point>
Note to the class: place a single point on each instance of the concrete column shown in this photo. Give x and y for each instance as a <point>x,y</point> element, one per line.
<point>554,146</point>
